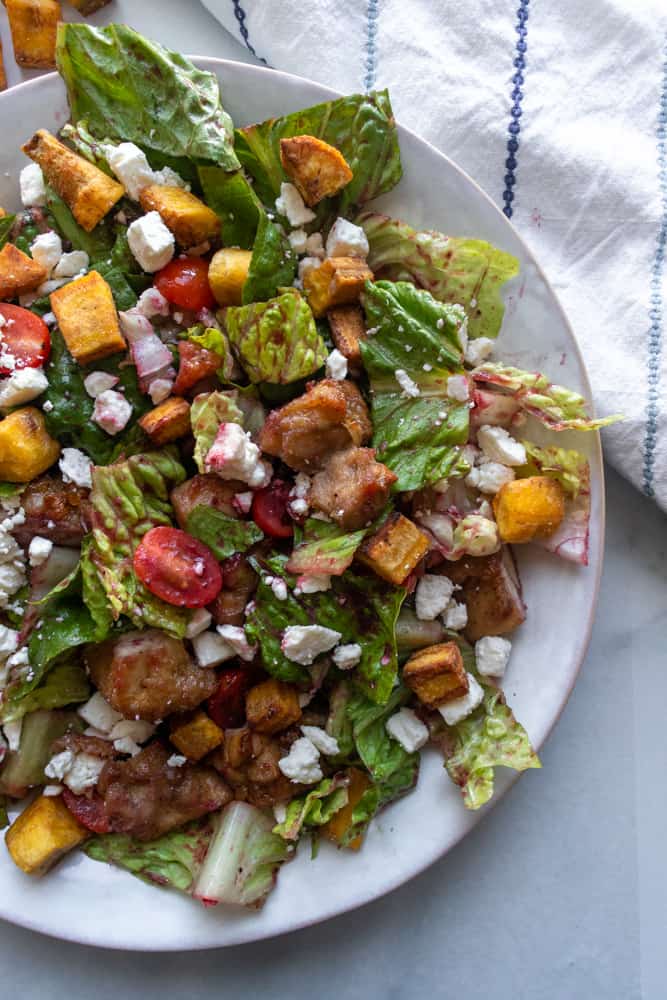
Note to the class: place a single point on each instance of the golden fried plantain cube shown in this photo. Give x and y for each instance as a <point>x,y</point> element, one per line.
<point>336,282</point>
<point>336,828</point>
<point>18,273</point>
<point>437,674</point>
<point>227,274</point>
<point>43,834</point>
<point>395,549</point>
<point>189,219</point>
<point>196,735</point>
<point>347,331</point>
<point>88,7</point>
<point>33,25</point>
<point>168,421</point>
<point>3,76</point>
<point>529,508</point>
<point>87,318</point>
<point>88,191</point>
<point>316,169</point>
<point>26,447</point>
<point>272,706</point>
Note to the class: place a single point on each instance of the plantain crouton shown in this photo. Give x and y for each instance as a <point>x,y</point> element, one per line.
<point>227,274</point>
<point>196,735</point>
<point>316,169</point>
<point>88,7</point>
<point>89,193</point>
<point>3,75</point>
<point>437,674</point>
<point>347,331</point>
<point>43,834</point>
<point>336,282</point>
<point>529,508</point>
<point>395,549</point>
<point>87,318</point>
<point>189,219</point>
<point>168,421</point>
<point>26,447</point>
<point>339,824</point>
<point>18,273</point>
<point>33,25</point>
<point>272,706</point>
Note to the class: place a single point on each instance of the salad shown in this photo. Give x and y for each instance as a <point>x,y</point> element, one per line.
<point>261,472</point>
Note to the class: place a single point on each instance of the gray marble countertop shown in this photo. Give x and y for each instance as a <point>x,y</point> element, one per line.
<point>559,893</point>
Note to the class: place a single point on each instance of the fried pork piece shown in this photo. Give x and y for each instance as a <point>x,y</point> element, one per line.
<point>239,584</point>
<point>55,510</point>
<point>148,675</point>
<point>348,329</point>
<point>207,490</point>
<point>78,743</point>
<point>145,797</point>
<point>248,761</point>
<point>328,417</point>
<point>491,590</point>
<point>352,488</point>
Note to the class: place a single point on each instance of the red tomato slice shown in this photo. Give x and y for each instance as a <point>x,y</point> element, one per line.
<point>195,364</point>
<point>89,811</point>
<point>24,336</point>
<point>177,568</point>
<point>227,706</point>
<point>269,510</point>
<point>184,283</point>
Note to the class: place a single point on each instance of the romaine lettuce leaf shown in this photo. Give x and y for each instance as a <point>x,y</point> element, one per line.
<point>207,412</point>
<point>98,244</point>
<point>64,684</point>
<point>276,341</point>
<point>361,126</point>
<point>93,593</point>
<point>129,88</point>
<point>24,768</point>
<point>273,263</point>
<point>325,549</point>
<point>128,499</point>
<point>224,535</point>
<point>568,467</point>
<point>313,809</point>
<point>339,724</point>
<point>235,203</point>
<point>214,340</point>
<point>571,469</point>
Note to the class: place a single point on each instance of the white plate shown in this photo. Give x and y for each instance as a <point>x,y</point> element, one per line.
<point>92,903</point>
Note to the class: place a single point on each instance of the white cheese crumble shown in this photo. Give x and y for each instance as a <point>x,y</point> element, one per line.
<point>489,477</point>
<point>159,389</point>
<point>177,760</point>
<point>298,239</point>
<point>75,467</point>
<point>39,550</point>
<point>130,166</point>
<point>456,616</point>
<point>499,446</point>
<point>152,303</point>
<point>279,588</point>
<point>97,712</point>
<point>315,245</point>
<point>336,366</point>
<point>32,186</point>
<point>98,382</point>
<point>125,744</point>
<point>304,643</point>
<point>458,388</point>
<point>52,790</point>
<point>234,455</point>
<point>71,264</point>
<point>59,765</point>
<point>112,411</point>
<point>133,729</point>
<point>460,708</point>
<point>407,729</point>
<point>306,265</point>
<point>302,763</point>
<point>409,387</point>
<point>291,205</point>
<point>477,350</point>
<point>346,240</point>
<point>321,740</point>
<point>313,584</point>
<point>47,249</point>
<point>151,243</point>
<point>22,386</point>
<point>199,622</point>
<point>347,655</point>
<point>432,596</point>
<point>492,654</point>
<point>236,637</point>
<point>211,649</point>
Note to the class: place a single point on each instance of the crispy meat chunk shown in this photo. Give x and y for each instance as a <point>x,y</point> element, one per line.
<point>148,675</point>
<point>145,797</point>
<point>328,417</point>
<point>248,761</point>
<point>352,488</point>
<point>207,490</point>
<point>239,584</point>
<point>78,743</point>
<point>55,510</point>
<point>491,590</point>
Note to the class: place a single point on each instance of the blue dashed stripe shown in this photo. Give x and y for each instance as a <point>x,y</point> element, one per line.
<point>372,16</point>
<point>656,309</point>
<point>515,113</point>
<point>240,15</point>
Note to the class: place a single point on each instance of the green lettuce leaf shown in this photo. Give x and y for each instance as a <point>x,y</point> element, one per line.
<point>361,126</point>
<point>172,861</point>
<point>276,341</point>
<point>556,407</point>
<point>325,549</point>
<point>98,244</point>
<point>214,340</point>
<point>568,467</point>
<point>128,499</point>
<point>313,809</point>
<point>273,264</point>
<point>207,412</point>
<point>235,203</point>
<point>129,88</point>
<point>468,272</point>
<point>24,768</point>
<point>224,535</point>
<point>339,724</point>
<point>64,684</point>
<point>93,593</point>
<point>6,223</point>
<point>84,142</point>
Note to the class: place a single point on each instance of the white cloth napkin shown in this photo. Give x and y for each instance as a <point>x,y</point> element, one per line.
<point>559,110</point>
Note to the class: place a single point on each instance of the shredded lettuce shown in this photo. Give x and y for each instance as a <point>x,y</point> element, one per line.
<point>273,264</point>
<point>313,809</point>
<point>224,535</point>
<point>325,549</point>
<point>207,412</point>
<point>235,203</point>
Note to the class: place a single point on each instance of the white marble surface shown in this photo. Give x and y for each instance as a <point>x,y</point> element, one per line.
<point>559,893</point>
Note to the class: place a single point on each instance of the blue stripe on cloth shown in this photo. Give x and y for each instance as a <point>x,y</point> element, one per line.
<point>240,16</point>
<point>515,112</point>
<point>656,310</point>
<point>372,16</point>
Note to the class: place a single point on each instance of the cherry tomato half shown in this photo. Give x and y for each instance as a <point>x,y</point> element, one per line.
<point>25,337</point>
<point>90,812</point>
<point>227,706</point>
<point>195,363</point>
<point>177,568</point>
<point>269,510</point>
<point>184,283</point>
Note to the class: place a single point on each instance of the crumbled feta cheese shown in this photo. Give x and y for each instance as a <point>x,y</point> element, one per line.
<point>22,386</point>
<point>199,622</point>
<point>12,572</point>
<point>336,366</point>
<point>302,763</point>
<point>458,709</point>
<point>33,188</point>
<point>280,812</point>
<point>98,382</point>
<point>347,655</point>
<point>291,205</point>
<point>407,729</point>
<point>211,649</point>
<point>125,744</point>
<point>50,319</point>
<point>151,243</point>
<point>478,350</point>
<point>12,732</point>
<point>279,588</point>
<point>409,387</point>
<point>302,484</point>
<point>234,455</point>
<point>243,501</point>
<point>169,178</point>
<point>75,467</point>
<point>489,477</point>
<point>134,729</point>
<point>499,446</point>
<point>97,712</point>
<point>47,250</point>
<point>432,596</point>
<point>314,584</point>
<point>347,240</point>
<point>458,388</point>
<point>306,265</point>
<point>321,740</point>
<point>112,411</point>
<point>39,550</point>
<point>315,245</point>
<point>130,166</point>
<point>297,240</point>
<point>298,507</point>
<point>456,616</point>
<point>9,638</point>
<point>159,389</point>
<point>177,760</point>
<point>71,264</point>
<point>492,654</point>
<point>236,637</point>
<point>47,287</point>
<point>52,790</point>
<point>152,303</point>
<point>303,643</point>
<point>59,765</point>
